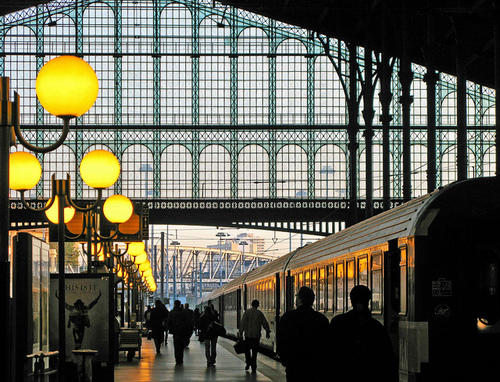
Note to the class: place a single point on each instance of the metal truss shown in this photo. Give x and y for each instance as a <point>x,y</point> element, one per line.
<point>190,271</point>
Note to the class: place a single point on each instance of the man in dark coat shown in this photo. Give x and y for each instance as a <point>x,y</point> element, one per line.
<point>301,340</point>
<point>209,336</point>
<point>158,317</point>
<point>361,348</point>
<point>180,325</point>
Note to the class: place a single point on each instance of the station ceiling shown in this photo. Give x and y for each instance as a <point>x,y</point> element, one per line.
<point>460,28</point>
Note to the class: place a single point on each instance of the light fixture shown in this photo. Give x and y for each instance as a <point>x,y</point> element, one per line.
<point>52,212</point>
<point>67,86</point>
<point>118,209</point>
<point>139,259</point>
<point>136,248</point>
<point>100,169</point>
<point>24,171</point>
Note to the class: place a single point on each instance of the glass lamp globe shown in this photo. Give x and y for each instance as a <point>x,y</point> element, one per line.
<point>147,272</point>
<point>145,266</point>
<point>136,248</point>
<point>141,258</point>
<point>100,169</point>
<point>152,288</point>
<point>24,171</point>
<point>118,208</point>
<point>53,212</point>
<point>67,86</point>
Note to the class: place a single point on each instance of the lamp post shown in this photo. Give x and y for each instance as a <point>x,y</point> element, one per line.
<point>174,269</point>
<point>220,235</point>
<point>242,266</point>
<point>66,87</point>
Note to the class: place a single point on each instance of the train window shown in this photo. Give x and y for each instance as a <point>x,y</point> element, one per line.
<point>329,286</point>
<point>307,278</point>
<point>350,276</point>
<point>403,280</point>
<point>314,282</point>
<point>363,270</point>
<point>301,281</point>
<point>488,311</point>
<point>321,290</point>
<point>376,273</point>
<point>340,287</point>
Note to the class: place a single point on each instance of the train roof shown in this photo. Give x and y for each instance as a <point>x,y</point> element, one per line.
<point>479,196</point>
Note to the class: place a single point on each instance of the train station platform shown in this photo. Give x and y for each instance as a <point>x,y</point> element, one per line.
<point>152,367</point>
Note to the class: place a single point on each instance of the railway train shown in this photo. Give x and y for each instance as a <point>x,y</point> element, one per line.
<point>432,265</point>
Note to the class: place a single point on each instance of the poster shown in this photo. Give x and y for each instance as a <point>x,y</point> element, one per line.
<point>86,314</point>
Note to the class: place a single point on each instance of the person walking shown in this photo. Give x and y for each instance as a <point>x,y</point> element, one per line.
<point>158,317</point>
<point>302,340</point>
<point>191,317</point>
<point>209,336</point>
<point>197,316</point>
<point>366,352</point>
<point>251,324</point>
<point>180,325</point>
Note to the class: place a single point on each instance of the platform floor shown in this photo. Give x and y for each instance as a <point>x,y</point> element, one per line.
<point>229,365</point>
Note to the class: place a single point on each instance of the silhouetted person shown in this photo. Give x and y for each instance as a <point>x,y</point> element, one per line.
<point>147,318</point>
<point>360,346</point>
<point>251,323</point>
<point>208,336</point>
<point>180,326</point>
<point>79,318</point>
<point>302,340</point>
<point>157,320</point>
<point>190,313</point>
<point>197,316</point>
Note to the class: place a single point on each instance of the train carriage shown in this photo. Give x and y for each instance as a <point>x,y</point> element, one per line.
<point>432,265</point>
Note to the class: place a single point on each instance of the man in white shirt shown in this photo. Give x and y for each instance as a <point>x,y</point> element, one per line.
<point>251,324</point>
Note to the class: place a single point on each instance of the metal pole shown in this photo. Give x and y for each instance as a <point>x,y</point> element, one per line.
<point>5,139</point>
<point>61,189</point>
<point>162,266</point>
<point>201,280</point>
<point>174,275</point>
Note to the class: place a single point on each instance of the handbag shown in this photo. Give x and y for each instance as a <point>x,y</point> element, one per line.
<point>216,328</point>
<point>240,347</point>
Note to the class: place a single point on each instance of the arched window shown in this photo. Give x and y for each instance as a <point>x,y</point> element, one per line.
<point>330,172</point>
<point>137,172</point>
<point>215,172</point>
<point>253,77</point>
<point>291,166</point>
<point>253,172</point>
<point>176,172</point>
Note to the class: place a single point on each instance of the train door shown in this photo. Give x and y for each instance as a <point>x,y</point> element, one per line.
<point>277,307</point>
<point>238,308</point>
<point>289,292</point>
<point>392,293</point>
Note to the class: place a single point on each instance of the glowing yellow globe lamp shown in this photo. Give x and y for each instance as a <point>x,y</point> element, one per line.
<point>139,259</point>
<point>152,288</point>
<point>147,272</point>
<point>53,212</point>
<point>118,208</point>
<point>145,266</point>
<point>136,248</point>
<point>24,171</point>
<point>100,169</point>
<point>67,87</point>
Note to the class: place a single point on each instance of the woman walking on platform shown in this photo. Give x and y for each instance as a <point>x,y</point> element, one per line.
<point>208,336</point>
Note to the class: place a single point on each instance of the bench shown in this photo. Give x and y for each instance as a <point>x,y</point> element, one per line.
<point>130,341</point>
